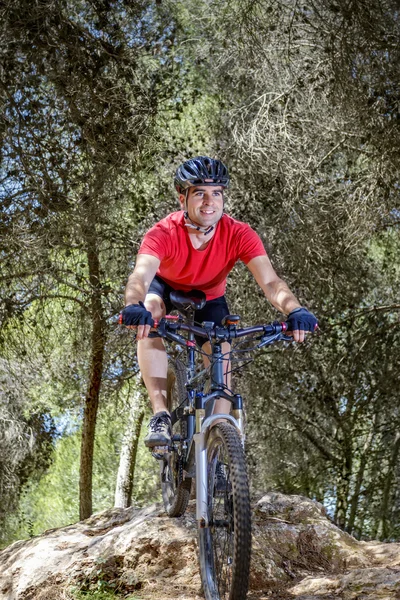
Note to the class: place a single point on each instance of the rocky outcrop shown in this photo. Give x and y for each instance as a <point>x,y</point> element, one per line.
<point>299,543</point>
<point>297,553</point>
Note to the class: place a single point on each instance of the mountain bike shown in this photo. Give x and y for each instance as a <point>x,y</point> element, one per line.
<point>209,447</point>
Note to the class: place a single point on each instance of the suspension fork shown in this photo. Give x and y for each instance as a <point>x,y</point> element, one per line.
<point>203,425</point>
<point>203,428</point>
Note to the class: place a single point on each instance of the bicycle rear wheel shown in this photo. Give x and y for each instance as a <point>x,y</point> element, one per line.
<point>225,545</point>
<point>175,490</point>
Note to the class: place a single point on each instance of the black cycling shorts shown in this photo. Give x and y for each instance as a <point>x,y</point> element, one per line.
<point>214,310</point>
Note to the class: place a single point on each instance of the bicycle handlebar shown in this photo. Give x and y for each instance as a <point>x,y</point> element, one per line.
<point>169,328</point>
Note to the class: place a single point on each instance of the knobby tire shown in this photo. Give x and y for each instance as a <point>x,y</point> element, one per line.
<point>225,545</point>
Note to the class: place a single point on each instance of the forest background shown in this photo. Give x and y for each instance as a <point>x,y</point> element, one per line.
<point>100,102</point>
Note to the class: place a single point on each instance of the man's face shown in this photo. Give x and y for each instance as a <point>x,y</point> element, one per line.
<point>205,204</point>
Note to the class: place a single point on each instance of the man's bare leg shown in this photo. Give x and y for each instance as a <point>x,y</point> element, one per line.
<point>153,360</point>
<point>153,365</point>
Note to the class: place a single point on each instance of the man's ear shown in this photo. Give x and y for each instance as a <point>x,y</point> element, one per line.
<point>182,199</point>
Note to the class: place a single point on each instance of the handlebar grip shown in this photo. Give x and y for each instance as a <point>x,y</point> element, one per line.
<point>285,327</point>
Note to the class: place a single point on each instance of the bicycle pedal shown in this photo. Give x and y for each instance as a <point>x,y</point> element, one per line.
<point>159,452</point>
<point>160,449</point>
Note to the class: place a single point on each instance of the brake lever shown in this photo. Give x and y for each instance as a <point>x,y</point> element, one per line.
<point>286,338</point>
<point>267,340</point>
<point>278,337</point>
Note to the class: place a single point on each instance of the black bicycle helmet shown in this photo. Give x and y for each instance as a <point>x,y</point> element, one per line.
<point>196,170</point>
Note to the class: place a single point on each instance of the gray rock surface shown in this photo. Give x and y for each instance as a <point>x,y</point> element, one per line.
<point>297,553</point>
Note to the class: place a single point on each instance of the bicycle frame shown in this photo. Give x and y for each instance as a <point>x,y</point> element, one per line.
<point>208,445</point>
<point>198,425</point>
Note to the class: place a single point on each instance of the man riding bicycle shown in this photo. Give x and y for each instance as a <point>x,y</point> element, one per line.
<point>196,248</point>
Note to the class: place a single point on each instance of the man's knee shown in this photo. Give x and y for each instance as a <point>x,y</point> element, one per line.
<point>155,305</point>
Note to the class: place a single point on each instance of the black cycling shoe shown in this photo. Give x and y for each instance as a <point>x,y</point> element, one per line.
<point>159,430</point>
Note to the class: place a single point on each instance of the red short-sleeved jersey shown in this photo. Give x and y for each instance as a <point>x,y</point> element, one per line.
<point>185,268</point>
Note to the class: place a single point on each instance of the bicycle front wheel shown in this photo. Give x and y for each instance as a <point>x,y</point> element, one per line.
<point>225,545</point>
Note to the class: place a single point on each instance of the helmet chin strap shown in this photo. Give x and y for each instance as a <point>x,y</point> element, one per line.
<point>193,225</point>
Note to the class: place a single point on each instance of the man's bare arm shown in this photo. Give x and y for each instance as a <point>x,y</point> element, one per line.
<point>140,278</point>
<point>274,288</point>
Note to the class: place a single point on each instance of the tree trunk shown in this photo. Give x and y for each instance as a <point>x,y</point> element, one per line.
<point>383,527</point>
<point>343,485</point>
<point>96,372</point>
<point>127,462</point>
<point>360,478</point>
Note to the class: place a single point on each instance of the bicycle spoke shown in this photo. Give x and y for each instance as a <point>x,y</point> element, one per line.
<point>223,536</point>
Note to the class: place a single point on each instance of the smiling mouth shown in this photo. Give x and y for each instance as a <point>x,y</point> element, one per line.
<point>207,212</point>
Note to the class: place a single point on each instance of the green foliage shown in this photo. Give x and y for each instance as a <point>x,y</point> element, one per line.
<point>52,500</point>
<point>99,103</point>
<point>101,594</point>
<point>317,176</point>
